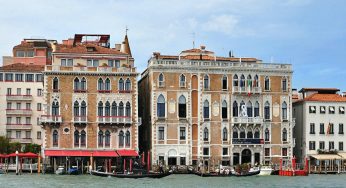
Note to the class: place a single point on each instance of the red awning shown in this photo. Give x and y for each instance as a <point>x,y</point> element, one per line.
<point>127,153</point>
<point>80,153</point>
<point>24,155</point>
<point>3,156</point>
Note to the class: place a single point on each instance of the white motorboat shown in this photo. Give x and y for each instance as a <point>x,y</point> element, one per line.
<point>60,170</point>
<point>266,170</point>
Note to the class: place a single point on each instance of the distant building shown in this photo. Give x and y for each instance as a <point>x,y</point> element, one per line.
<point>21,102</point>
<point>197,106</point>
<point>320,120</point>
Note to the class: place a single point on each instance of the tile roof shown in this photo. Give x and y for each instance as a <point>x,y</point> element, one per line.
<point>196,50</point>
<point>206,57</point>
<point>324,98</point>
<point>82,49</point>
<point>319,89</point>
<point>20,67</point>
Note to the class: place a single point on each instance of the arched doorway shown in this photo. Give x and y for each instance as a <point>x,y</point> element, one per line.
<point>246,156</point>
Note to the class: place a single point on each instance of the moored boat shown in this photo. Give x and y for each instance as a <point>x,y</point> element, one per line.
<point>149,175</point>
<point>265,170</point>
<point>250,173</point>
<point>60,170</point>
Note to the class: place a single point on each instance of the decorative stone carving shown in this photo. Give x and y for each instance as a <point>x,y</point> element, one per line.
<point>276,110</point>
<point>171,106</point>
<point>216,109</point>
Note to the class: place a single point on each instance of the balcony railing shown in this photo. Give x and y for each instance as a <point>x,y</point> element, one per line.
<point>114,119</point>
<point>27,112</point>
<point>124,91</point>
<point>246,90</point>
<point>21,140</point>
<point>50,119</point>
<point>104,69</point>
<point>247,141</point>
<point>19,97</point>
<point>254,120</point>
<point>80,119</point>
<point>104,91</point>
<point>18,126</point>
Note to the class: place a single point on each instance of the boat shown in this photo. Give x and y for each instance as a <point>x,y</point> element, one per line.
<point>60,170</point>
<point>73,171</point>
<point>149,175</point>
<point>212,174</point>
<point>249,173</point>
<point>264,170</point>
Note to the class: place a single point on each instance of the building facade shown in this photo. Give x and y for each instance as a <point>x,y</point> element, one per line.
<point>197,106</point>
<point>90,96</point>
<point>320,119</point>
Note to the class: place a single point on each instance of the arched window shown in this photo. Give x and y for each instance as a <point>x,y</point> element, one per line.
<point>224,110</point>
<point>121,139</point>
<point>55,138</point>
<point>206,109</point>
<point>107,138</point>
<point>242,81</point>
<point>161,106</point>
<point>76,108</point>
<point>235,109</point>
<point>267,111</point>
<point>249,81</point>
<point>182,80</point>
<point>249,109</point>
<point>256,109</point>
<point>121,109</point>
<point>284,111</point>
<point>127,139</point>
<point>114,109</point>
<point>224,134</point>
<point>100,109</point>
<point>76,138</point>
<point>242,133</point>
<point>76,84</point>
<point>100,138</point>
<point>266,135</point>
<point>108,109</point>
<point>249,134</point>
<point>182,106</point>
<point>108,84</point>
<point>235,81</point>
<point>83,138</point>
<point>128,110</point>
<point>242,103</point>
<point>121,84</point>
<point>55,84</point>
<point>257,134</point>
<point>206,82</point>
<point>55,108</point>
<point>266,83</point>
<point>83,109</point>
<point>128,84</point>
<point>255,81</point>
<point>235,133</point>
<point>284,135</point>
<point>100,84</point>
<point>161,80</point>
<point>206,134</point>
<point>83,84</point>
<point>284,84</point>
<point>224,82</point>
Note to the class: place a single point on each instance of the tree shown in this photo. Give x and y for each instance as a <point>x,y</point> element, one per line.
<point>4,144</point>
<point>33,148</point>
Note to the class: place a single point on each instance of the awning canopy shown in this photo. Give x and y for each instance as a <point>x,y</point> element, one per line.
<point>23,155</point>
<point>3,156</point>
<point>326,156</point>
<point>80,153</point>
<point>127,153</point>
<point>343,155</point>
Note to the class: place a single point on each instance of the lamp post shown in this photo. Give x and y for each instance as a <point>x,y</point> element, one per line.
<point>16,162</point>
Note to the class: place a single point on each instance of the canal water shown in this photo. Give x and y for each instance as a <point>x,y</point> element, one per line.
<point>174,181</point>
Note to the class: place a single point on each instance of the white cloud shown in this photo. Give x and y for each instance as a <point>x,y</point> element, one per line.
<point>226,24</point>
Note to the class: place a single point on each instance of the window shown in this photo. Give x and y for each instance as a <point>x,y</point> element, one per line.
<point>206,109</point>
<point>224,110</point>
<point>100,109</point>
<point>161,106</point>
<point>76,84</point>
<point>28,120</point>
<point>284,135</point>
<point>161,80</point>
<point>341,128</point>
<point>331,145</point>
<point>55,108</point>
<point>114,109</point>
<point>55,138</point>
<point>182,107</point>
<point>92,63</point>
<point>27,134</point>
<point>182,161</point>
<point>249,109</point>
<point>161,133</point>
<point>83,109</point>
<point>76,109</point>
<point>312,128</point>
<point>224,151</point>
<point>284,111</point>
<point>8,77</point>
<point>341,110</point>
<point>70,62</point>
<point>182,81</point>
<point>128,109</point>
<point>331,109</point>
<point>121,139</point>
<point>127,139</point>
<point>29,77</point>
<point>182,133</point>
<point>121,109</point>
<point>76,138</point>
<point>341,146</point>
<point>83,84</point>
<point>114,63</point>
<point>242,133</point>
<point>55,84</point>
<point>28,91</point>
<point>267,111</point>
<point>19,91</point>
<point>206,134</point>
<point>9,105</point>
<point>206,82</point>
<point>18,134</point>
<point>63,62</point>
<point>39,92</point>
<point>1,77</point>
<point>284,84</point>
<point>266,135</point>
<point>255,81</point>
<point>224,134</point>
<point>39,106</point>
<point>39,78</point>
<point>9,91</point>
<point>322,109</point>
<point>83,138</point>
<point>266,152</point>
<point>321,128</point>
<point>108,84</point>
<point>20,54</point>
<point>235,81</point>
<point>266,84</point>
<point>224,82</point>
<point>19,77</point>
<point>9,120</point>
<point>100,138</point>
<point>121,84</point>
<point>128,85</point>
<point>256,109</point>
<point>18,106</point>
<point>235,133</point>
<point>257,134</point>
<point>39,136</point>
<point>235,109</point>
<point>30,53</point>
<point>107,139</point>
<point>205,151</point>
<point>330,129</point>
<point>249,134</point>
<point>18,120</point>
<point>312,145</point>
<point>321,145</point>
<point>100,84</point>
<point>284,151</point>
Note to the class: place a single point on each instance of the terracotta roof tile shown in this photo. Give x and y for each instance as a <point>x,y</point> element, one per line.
<point>20,67</point>
<point>325,98</point>
<point>82,48</point>
<point>196,50</point>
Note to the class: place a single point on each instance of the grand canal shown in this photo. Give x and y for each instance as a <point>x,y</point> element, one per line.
<point>28,181</point>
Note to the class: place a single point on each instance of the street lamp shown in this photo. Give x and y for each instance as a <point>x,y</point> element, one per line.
<point>16,162</point>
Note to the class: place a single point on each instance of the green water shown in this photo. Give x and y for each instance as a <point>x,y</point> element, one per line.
<point>174,181</point>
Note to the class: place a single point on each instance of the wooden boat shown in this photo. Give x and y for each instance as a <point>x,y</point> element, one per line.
<point>212,174</point>
<point>150,175</point>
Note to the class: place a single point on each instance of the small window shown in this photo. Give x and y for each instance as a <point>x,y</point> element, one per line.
<point>312,109</point>
<point>266,152</point>
<point>29,77</point>
<point>1,77</point>
<point>182,133</point>
<point>312,145</point>
<point>206,134</point>
<point>63,62</point>
<point>224,151</point>
<point>30,53</point>
<point>332,110</point>
<point>284,152</point>
<point>39,78</point>
<point>224,82</point>
<point>39,92</point>
<point>322,128</point>
<point>322,110</point>
<point>8,77</point>
<point>322,145</point>
<point>161,80</point>
<point>341,146</point>
<point>331,145</point>
<point>341,128</point>
<point>39,136</point>
<point>206,82</point>
<point>182,81</point>
<point>39,106</point>
<point>161,133</point>
<point>341,110</point>
<point>266,84</point>
<point>19,77</point>
<point>284,84</point>
<point>205,151</point>
<point>312,128</point>
<point>20,54</point>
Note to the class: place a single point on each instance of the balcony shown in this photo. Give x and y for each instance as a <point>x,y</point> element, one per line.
<point>24,112</point>
<point>21,140</point>
<point>19,97</point>
<point>79,119</point>
<point>114,119</point>
<point>79,90</point>
<point>103,69</point>
<point>247,120</point>
<point>247,141</point>
<point>246,90</point>
<point>104,91</point>
<point>18,126</point>
<point>125,91</point>
<point>55,119</point>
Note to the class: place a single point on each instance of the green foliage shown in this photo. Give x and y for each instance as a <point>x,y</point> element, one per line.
<point>6,147</point>
<point>4,144</point>
<point>33,148</point>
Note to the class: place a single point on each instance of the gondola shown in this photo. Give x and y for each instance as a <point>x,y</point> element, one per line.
<point>150,175</point>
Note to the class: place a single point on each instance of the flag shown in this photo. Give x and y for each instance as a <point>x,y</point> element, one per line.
<point>249,87</point>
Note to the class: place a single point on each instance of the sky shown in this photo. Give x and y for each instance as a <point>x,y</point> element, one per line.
<point>309,34</point>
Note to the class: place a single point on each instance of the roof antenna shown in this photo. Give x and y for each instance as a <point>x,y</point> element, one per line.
<point>126,29</point>
<point>193,39</point>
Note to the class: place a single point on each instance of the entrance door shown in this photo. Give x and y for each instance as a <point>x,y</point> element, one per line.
<point>172,161</point>
<point>246,156</point>
<point>235,158</point>
<point>257,158</point>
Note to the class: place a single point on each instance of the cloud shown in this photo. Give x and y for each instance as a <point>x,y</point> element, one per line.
<point>224,23</point>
